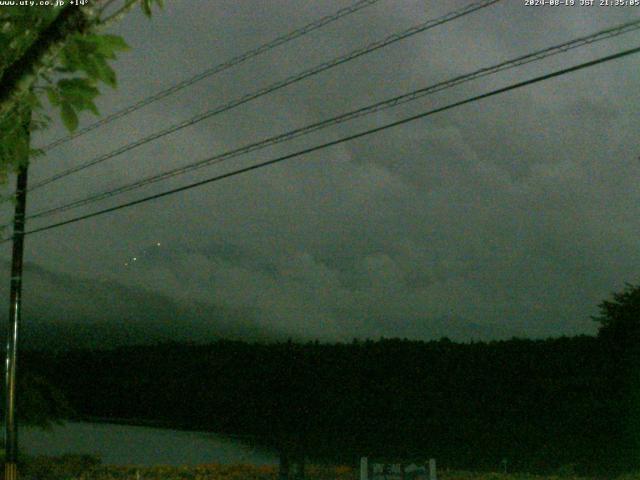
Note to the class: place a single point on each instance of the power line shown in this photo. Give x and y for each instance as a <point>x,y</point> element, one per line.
<point>315,25</point>
<point>385,104</point>
<point>274,87</point>
<point>316,148</point>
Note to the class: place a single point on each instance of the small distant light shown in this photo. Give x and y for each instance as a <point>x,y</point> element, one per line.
<point>134,259</point>
<point>158,244</point>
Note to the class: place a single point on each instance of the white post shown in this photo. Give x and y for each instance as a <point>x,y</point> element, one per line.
<point>432,469</point>
<point>364,468</point>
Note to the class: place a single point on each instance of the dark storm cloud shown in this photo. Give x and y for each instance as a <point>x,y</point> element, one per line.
<point>516,215</point>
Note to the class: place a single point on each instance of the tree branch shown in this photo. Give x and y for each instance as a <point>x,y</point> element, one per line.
<point>118,13</point>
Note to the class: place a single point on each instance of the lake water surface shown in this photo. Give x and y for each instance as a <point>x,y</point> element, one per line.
<point>131,445</point>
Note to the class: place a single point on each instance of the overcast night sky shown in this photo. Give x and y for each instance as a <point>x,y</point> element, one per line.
<point>514,215</point>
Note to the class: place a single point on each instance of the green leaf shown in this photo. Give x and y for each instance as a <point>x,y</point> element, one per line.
<point>69,116</point>
<point>70,57</point>
<point>78,87</point>
<point>103,71</point>
<point>107,74</point>
<point>92,108</point>
<point>90,66</point>
<point>78,93</point>
<point>112,43</point>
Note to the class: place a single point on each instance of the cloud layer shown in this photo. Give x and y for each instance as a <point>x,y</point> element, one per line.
<point>516,215</point>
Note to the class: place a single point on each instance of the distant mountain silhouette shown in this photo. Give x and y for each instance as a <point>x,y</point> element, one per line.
<point>61,310</point>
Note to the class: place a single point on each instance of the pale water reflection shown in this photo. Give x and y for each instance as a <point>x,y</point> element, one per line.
<point>130,445</point>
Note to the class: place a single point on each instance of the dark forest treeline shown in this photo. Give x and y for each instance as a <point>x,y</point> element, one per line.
<point>539,404</point>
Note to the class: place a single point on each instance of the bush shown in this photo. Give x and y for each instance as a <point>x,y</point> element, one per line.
<point>64,467</point>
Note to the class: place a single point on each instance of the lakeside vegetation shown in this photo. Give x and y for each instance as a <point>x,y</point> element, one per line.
<point>82,467</point>
<point>536,405</point>
<point>539,404</point>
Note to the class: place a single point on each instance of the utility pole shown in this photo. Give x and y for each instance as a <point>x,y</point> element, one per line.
<point>11,426</point>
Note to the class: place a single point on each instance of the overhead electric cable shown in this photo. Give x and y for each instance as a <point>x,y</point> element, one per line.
<point>385,104</point>
<point>272,88</point>
<point>315,25</point>
<point>332,143</point>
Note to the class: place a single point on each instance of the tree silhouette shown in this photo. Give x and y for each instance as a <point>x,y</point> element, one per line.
<point>620,318</point>
<point>619,334</point>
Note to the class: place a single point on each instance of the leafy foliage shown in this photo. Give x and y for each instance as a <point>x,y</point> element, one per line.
<point>89,54</point>
<point>14,140</point>
<point>69,79</point>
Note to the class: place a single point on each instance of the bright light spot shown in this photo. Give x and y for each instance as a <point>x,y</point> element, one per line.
<point>134,259</point>
<point>158,244</point>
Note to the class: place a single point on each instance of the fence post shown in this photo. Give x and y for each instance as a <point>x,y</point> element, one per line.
<point>432,469</point>
<point>364,468</point>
